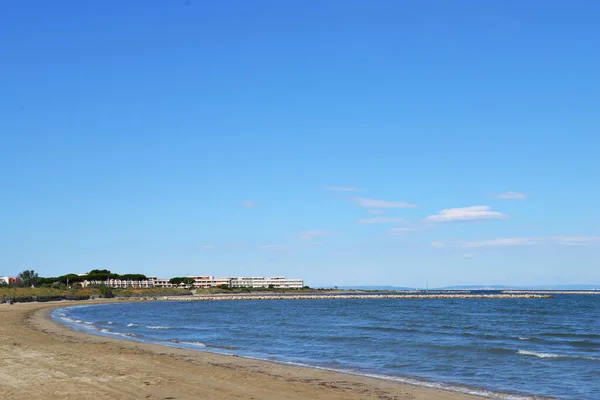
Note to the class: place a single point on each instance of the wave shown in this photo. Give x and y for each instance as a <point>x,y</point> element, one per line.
<point>132,324</point>
<point>195,344</point>
<point>572,335</point>
<point>553,355</point>
<point>157,327</point>
<point>110,323</point>
<point>109,332</point>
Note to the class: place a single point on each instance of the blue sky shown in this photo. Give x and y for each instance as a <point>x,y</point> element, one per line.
<point>344,142</point>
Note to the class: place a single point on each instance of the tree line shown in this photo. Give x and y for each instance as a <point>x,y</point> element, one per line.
<point>29,278</point>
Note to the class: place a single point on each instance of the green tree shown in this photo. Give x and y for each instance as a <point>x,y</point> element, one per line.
<point>180,280</point>
<point>99,271</point>
<point>105,291</point>
<point>29,278</point>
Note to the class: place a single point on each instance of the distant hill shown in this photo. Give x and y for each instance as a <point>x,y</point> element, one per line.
<point>376,288</point>
<point>532,287</point>
<point>478,287</point>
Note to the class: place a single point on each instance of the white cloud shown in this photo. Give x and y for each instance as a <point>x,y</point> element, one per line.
<point>511,196</point>
<point>465,214</point>
<point>382,220</point>
<point>374,203</point>
<point>438,245</point>
<point>208,247</point>
<point>505,242</point>
<point>311,234</point>
<point>343,188</point>
<point>376,212</point>
<point>248,204</point>
<point>578,240</point>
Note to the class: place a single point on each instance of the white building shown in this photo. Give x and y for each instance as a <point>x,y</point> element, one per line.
<point>151,282</point>
<point>160,282</point>
<point>204,281</point>
<point>4,280</point>
<point>263,282</point>
<point>207,281</point>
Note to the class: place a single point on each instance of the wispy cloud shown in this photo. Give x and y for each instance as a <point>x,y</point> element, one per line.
<point>343,188</point>
<point>382,220</point>
<point>465,214</point>
<point>374,203</point>
<point>511,196</point>
<point>248,204</point>
<point>207,247</point>
<point>315,233</point>
<point>578,240</point>
<point>505,242</point>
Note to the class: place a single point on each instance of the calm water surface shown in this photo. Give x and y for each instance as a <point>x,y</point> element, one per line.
<point>512,348</point>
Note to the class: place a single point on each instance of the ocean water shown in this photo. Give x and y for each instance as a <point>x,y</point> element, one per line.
<point>500,348</point>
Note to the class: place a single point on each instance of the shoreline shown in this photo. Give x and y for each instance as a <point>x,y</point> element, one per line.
<point>36,344</point>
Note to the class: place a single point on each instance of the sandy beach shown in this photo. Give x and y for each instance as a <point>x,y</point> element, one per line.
<point>41,359</point>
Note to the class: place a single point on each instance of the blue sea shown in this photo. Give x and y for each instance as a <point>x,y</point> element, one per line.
<point>499,348</point>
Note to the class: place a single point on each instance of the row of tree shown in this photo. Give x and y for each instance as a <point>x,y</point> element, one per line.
<point>29,278</point>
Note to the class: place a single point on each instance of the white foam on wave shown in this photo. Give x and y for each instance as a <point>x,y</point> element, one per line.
<point>158,327</point>
<point>524,338</point>
<point>110,322</point>
<point>541,355</point>
<point>132,324</point>
<point>68,319</point>
<point>195,344</point>
<point>552,355</point>
<point>109,332</point>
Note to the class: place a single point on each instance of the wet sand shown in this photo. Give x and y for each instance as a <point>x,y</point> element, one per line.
<point>41,359</point>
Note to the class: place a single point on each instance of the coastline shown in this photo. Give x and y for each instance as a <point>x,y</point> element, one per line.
<point>68,364</point>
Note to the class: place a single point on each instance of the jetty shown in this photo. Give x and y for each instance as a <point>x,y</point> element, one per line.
<point>230,297</point>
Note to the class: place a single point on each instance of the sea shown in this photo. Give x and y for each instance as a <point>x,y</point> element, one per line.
<point>497,348</point>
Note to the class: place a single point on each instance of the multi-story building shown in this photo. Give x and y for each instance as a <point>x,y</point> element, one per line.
<point>151,282</point>
<point>160,282</point>
<point>263,282</point>
<point>209,281</point>
<point>205,281</point>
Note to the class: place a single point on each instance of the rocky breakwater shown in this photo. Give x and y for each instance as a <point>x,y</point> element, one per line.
<point>352,296</point>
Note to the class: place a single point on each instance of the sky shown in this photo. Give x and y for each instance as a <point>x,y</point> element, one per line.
<point>405,143</point>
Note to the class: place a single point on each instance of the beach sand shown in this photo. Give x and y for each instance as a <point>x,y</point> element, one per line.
<point>41,359</point>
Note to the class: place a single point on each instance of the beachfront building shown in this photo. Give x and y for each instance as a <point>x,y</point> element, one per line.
<point>201,281</point>
<point>263,282</point>
<point>9,280</point>
<point>119,283</point>
<point>207,281</point>
<point>151,282</point>
<point>160,282</point>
